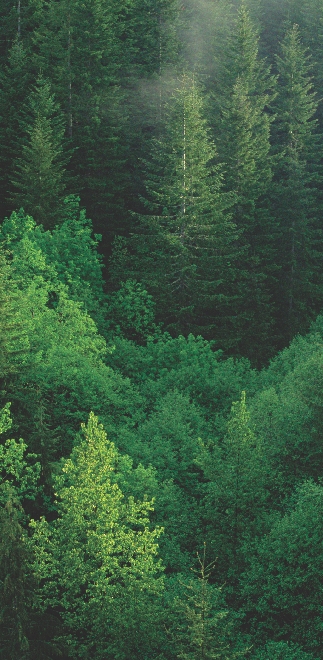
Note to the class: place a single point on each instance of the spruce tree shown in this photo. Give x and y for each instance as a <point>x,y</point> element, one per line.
<point>38,178</point>
<point>296,203</point>
<point>184,246</point>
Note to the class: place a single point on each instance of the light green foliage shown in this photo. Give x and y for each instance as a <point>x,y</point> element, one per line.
<point>67,255</point>
<point>99,558</point>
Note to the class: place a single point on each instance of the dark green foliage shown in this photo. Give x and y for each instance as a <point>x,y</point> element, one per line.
<point>208,186</point>
<point>38,172</point>
<point>242,122</point>
<point>184,251</point>
<point>283,583</point>
<point>296,203</point>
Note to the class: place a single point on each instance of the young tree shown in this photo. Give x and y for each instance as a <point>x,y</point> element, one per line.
<point>99,558</point>
<point>236,492</point>
<point>38,176</point>
<point>296,202</point>
<point>201,627</point>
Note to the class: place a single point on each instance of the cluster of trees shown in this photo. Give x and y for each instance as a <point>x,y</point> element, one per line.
<point>161,489</point>
<point>200,162</point>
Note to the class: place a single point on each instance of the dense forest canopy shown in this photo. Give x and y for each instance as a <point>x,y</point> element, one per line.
<point>161,363</point>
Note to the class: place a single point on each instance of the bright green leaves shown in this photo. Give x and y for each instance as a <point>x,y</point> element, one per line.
<point>99,557</point>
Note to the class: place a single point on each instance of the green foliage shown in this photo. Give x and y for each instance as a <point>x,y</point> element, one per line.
<point>296,201</point>
<point>184,246</point>
<point>241,99</point>
<point>201,630</point>
<point>38,172</point>
<point>282,586</point>
<point>131,311</point>
<point>100,546</point>
<point>16,585</point>
<point>236,469</point>
<point>282,651</point>
<point>19,471</point>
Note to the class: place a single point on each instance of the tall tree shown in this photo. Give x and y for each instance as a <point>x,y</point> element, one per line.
<point>38,177</point>
<point>184,246</point>
<point>242,130</point>
<point>15,79</point>
<point>296,202</point>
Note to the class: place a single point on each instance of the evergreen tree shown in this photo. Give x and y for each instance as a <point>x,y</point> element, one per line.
<point>201,630</point>
<point>296,202</point>
<point>242,124</point>
<point>38,176</point>
<point>184,249</point>
<point>237,472</point>
<point>15,78</point>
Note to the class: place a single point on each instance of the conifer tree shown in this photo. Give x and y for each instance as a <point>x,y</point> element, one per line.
<point>296,202</point>
<point>242,130</point>
<point>38,176</point>
<point>236,494</point>
<point>184,247</point>
<point>15,79</point>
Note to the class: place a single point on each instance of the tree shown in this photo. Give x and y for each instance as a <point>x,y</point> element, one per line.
<point>184,247</point>
<point>39,170</point>
<point>202,629</point>
<point>283,583</point>
<point>237,473</point>
<point>296,201</point>
<point>17,584</point>
<point>15,80</point>
<point>242,130</point>
<point>98,560</point>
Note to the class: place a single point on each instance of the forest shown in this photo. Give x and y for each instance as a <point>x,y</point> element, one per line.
<point>161,330</point>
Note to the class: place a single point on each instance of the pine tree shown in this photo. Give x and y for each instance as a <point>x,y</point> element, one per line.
<point>242,130</point>
<point>296,202</point>
<point>38,176</point>
<point>184,247</point>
